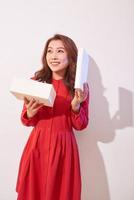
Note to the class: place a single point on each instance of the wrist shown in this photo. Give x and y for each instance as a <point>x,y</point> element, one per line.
<point>76,108</point>
<point>28,115</point>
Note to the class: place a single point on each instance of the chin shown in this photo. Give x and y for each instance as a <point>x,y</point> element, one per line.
<point>55,70</point>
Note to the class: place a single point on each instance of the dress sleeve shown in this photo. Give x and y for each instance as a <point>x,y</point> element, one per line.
<point>28,121</point>
<point>80,119</point>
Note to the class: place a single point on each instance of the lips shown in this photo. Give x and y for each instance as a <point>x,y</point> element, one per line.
<point>55,63</point>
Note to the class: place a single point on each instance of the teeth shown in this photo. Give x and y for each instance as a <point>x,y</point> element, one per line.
<point>54,63</point>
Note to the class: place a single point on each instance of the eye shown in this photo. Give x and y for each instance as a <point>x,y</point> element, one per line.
<point>49,51</point>
<point>60,51</point>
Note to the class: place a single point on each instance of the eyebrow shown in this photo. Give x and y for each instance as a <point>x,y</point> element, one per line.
<point>57,48</point>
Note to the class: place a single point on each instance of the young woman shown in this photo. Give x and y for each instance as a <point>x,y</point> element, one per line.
<point>49,167</point>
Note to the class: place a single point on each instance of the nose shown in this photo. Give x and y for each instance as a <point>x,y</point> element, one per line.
<point>54,56</point>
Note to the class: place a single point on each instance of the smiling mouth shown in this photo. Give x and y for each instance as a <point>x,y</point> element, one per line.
<point>55,63</point>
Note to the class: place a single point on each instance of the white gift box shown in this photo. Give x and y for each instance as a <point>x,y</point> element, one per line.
<point>43,92</point>
<point>82,69</point>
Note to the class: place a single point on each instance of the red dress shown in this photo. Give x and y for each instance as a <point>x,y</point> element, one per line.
<point>49,167</point>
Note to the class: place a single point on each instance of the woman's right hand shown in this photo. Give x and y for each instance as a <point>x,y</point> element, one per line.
<point>32,107</point>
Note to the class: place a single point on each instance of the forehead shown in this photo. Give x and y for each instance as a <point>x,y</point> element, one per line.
<point>56,44</point>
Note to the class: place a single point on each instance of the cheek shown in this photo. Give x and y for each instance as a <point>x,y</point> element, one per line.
<point>65,60</point>
<point>47,58</point>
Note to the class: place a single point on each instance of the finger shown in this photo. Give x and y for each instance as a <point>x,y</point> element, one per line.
<point>80,97</point>
<point>36,104</point>
<point>76,94</point>
<point>79,90</point>
<point>29,105</point>
<point>80,93</point>
<point>26,101</point>
<point>35,110</point>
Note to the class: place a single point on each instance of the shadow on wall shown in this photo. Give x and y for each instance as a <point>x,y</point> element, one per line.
<point>101,129</point>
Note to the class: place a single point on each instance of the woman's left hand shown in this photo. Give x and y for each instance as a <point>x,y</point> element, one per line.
<point>79,97</point>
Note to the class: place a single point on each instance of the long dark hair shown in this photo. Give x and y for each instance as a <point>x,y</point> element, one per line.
<point>45,73</point>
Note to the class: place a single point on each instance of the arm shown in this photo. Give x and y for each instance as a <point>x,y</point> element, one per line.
<point>79,118</point>
<point>79,108</point>
<point>28,121</point>
<point>30,112</point>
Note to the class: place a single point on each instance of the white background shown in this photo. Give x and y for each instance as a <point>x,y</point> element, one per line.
<point>106,29</point>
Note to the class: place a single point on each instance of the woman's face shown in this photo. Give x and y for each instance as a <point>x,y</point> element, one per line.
<point>57,58</point>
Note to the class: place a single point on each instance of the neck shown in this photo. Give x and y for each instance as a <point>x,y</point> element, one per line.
<point>57,76</point>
